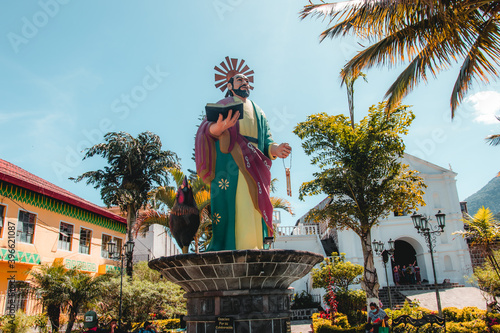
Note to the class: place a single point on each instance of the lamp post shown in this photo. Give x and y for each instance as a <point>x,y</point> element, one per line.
<point>421,223</point>
<point>380,250</point>
<point>115,253</point>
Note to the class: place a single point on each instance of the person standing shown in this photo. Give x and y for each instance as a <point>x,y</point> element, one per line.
<point>91,323</point>
<point>396,275</point>
<point>376,316</point>
<point>234,157</point>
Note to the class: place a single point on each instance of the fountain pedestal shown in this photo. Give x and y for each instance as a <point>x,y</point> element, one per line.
<point>237,291</point>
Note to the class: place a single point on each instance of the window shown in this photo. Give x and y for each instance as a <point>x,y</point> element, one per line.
<point>26,227</point>
<point>2,218</point>
<point>85,239</point>
<point>17,295</point>
<point>65,236</point>
<point>104,245</point>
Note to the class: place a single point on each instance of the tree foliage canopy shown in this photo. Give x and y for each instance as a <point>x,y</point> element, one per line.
<point>336,271</point>
<point>145,293</point>
<point>134,165</point>
<point>360,168</point>
<point>431,34</point>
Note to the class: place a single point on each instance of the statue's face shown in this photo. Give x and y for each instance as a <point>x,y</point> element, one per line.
<point>240,86</point>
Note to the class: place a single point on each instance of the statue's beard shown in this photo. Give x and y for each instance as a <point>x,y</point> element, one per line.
<point>242,93</point>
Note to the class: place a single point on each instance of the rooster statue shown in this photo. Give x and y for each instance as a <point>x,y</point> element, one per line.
<point>184,216</point>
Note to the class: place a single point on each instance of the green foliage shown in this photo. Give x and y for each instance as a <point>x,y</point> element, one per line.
<point>40,321</point>
<point>360,169</point>
<point>361,173</point>
<point>50,283</point>
<point>429,36</point>
<point>304,300</point>
<point>21,323</point>
<point>82,290</point>
<point>338,271</point>
<point>351,303</point>
<point>134,166</point>
<point>146,293</point>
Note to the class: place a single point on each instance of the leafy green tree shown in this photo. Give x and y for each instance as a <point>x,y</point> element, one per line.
<point>49,282</point>
<point>145,293</point>
<point>342,273</point>
<point>432,34</point>
<point>82,290</point>
<point>362,173</point>
<point>483,231</point>
<point>135,166</point>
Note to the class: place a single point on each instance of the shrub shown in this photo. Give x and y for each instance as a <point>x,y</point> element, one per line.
<point>21,323</point>
<point>304,300</point>
<point>466,327</point>
<point>495,329</point>
<point>351,303</point>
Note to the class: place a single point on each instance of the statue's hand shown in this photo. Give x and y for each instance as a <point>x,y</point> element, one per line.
<point>283,150</point>
<point>216,129</point>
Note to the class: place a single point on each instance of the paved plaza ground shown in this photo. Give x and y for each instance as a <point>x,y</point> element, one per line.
<point>457,297</point>
<point>301,326</point>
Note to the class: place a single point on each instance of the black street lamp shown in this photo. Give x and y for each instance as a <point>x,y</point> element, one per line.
<point>421,223</point>
<point>115,253</point>
<point>381,251</point>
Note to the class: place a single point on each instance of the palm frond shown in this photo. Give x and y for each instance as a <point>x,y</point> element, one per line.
<point>493,139</point>
<point>279,203</point>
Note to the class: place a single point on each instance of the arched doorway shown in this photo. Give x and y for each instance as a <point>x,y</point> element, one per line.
<point>404,253</point>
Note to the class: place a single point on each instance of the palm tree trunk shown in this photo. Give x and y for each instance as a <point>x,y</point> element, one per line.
<point>370,279</point>
<point>71,321</point>
<point>54,311</point>
<point>131,219</point>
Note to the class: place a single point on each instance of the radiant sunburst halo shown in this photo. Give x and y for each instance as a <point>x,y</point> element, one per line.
<point>230,68</point>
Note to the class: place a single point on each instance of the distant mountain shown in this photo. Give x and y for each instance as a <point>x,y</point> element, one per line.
<point>488,196</point>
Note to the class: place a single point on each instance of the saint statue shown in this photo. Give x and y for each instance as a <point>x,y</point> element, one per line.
<point>234,157</point>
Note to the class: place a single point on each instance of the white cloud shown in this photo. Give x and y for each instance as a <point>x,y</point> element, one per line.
<point>486,104</point>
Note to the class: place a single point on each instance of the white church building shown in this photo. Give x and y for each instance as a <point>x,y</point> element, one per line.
<point>451,253</point>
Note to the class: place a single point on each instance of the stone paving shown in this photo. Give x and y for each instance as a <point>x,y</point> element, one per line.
<point>457,297</point>
<point>301,326</point>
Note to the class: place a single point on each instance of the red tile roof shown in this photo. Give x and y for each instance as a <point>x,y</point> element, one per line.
<point>13,174</point>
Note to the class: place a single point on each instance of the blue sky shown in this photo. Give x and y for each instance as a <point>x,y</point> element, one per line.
<point>68,70</point>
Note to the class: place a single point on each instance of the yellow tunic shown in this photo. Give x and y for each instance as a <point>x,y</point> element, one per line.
<point>248,221</point>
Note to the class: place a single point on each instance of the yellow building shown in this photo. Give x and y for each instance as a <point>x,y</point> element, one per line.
<point>41,223</point>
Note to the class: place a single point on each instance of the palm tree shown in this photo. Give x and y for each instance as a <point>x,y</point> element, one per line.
<point>135,165</point>
<point>483,231</point>
<point>49,282</point>
<point>83,289</point>
<point>349,83</point>
<point>432,34</point>
<point>163,199</point>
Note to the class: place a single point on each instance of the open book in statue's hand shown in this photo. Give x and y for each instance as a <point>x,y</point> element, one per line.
<point>213,110</point>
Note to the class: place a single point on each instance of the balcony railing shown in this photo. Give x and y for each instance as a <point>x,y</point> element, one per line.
<point>302,230</point>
